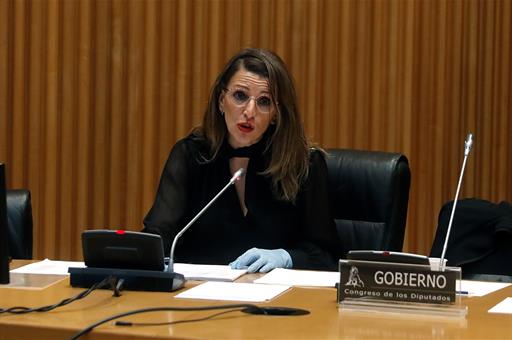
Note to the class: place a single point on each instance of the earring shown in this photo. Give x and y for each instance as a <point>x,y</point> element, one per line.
<point>222,113</point>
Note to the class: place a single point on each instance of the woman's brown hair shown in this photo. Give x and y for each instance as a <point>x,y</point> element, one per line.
<point>288,144</point>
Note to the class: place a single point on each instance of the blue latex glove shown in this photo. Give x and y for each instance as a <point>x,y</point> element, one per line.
<point>262,260</point>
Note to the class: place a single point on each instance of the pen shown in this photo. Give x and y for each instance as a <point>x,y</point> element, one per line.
<point>462,292</point>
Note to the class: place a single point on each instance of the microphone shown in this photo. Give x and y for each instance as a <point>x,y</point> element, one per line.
<point>468,144</point>
<point>236,176</point>
<point>138,279</point>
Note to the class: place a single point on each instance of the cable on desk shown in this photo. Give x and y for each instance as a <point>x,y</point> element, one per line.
<point>109,281</point>
<point>243,307</point>
<point>161,309</point>
<point>168,323</point>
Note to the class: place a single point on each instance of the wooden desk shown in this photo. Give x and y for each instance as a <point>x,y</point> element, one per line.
<point>326,321</point>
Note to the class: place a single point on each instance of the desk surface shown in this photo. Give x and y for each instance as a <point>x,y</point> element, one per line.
<point>326,320</point>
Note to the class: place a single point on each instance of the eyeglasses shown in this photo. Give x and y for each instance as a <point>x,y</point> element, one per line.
<point>241,99</point>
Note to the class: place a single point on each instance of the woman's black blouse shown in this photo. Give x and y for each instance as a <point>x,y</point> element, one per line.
<point>305,229</point>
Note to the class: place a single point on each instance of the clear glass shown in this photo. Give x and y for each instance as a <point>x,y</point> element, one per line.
<point>379,302</point>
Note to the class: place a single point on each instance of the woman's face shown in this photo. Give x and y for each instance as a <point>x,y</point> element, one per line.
<point>248,108</point>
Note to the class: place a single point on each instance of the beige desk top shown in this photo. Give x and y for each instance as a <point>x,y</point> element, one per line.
<point>326,320</point>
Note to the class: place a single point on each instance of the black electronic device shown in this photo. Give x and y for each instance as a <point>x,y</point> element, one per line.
<point>4,244</point>
<point>122,249</point>
<point>136,258</point>
<point>132,279</point>
<point>387,256</point>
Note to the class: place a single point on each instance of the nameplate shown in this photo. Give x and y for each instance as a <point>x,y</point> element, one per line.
<point>369,280</point>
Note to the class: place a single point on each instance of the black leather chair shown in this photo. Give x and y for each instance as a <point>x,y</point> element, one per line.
<point>369,196</point>
<point>480,240</point>
<point>19,223</point>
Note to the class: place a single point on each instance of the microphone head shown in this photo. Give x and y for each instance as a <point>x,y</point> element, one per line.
<point>468,144</point>
<point>237,175</point>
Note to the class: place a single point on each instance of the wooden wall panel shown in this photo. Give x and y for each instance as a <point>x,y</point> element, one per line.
<point>93,94</point>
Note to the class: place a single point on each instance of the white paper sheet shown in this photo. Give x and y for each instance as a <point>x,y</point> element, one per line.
<point>480,288</point>
<point>233,291</point>
<point>208,272</point>
<point>504,306</point>
<point>48,267</point>
<point>190,271</point>
<point>292,277</point>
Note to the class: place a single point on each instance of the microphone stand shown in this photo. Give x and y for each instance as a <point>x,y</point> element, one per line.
<point>238,174</point>
<point>467,148</point>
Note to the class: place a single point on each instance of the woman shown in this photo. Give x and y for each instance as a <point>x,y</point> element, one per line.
<point>278,214</point>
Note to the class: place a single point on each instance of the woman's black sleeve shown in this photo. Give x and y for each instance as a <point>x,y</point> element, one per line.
<point>319,243</point>
<point>166,215</point>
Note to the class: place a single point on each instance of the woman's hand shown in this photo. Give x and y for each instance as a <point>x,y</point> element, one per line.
<point>262,260</point>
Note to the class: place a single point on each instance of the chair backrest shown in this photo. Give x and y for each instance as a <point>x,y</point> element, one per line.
<point>19,223</point>
<point>369,195</point>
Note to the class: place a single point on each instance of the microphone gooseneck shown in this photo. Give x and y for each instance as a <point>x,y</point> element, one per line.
<point>236,176</point>
<point>468,144</point>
